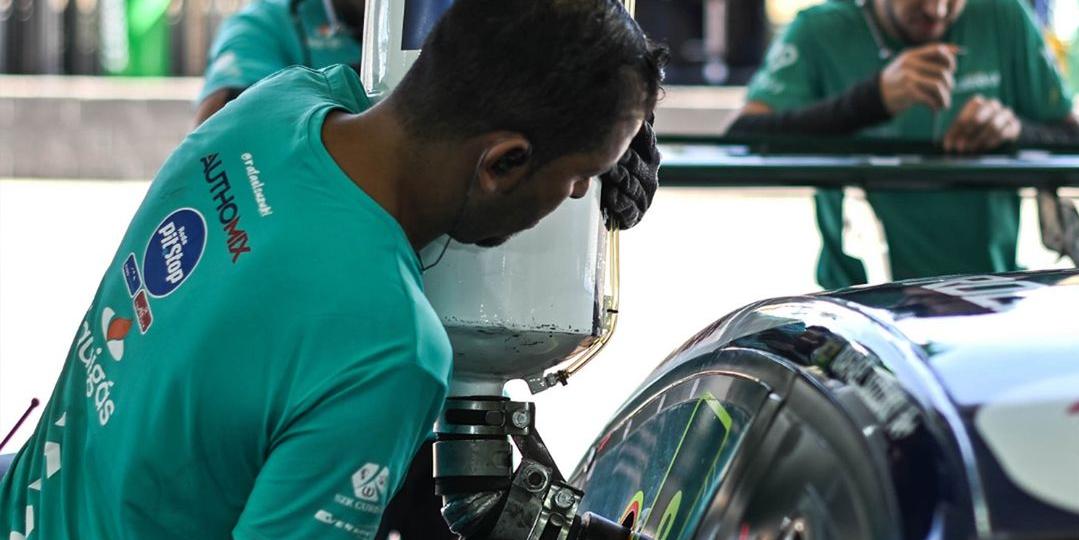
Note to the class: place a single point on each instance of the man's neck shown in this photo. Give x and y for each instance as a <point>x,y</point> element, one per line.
<point>415,182</point>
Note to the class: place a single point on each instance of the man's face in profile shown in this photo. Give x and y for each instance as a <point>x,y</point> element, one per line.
<point>490,219</point>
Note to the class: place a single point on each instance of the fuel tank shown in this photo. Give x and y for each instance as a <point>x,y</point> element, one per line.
<point>515,310</point>
<point>934,408</point>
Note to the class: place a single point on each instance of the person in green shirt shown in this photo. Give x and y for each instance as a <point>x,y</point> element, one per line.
<point>969,74</point>
<point>259,360</point>
<point>269,35</point>
<point>259,40</point>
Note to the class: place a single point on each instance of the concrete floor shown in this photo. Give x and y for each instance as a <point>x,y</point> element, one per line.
<point>699,254</point>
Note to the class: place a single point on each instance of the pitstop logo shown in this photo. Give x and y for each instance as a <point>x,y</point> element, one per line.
<point>173,251</point>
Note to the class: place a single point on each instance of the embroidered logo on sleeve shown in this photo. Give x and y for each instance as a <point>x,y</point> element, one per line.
<point>225,65</point>
<point>781,55</point>
<point>369,483</point>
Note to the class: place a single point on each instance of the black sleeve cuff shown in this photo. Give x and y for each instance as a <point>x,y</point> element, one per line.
<point>861,106</point>
<point>1034,133</point>
<point>866,97</point>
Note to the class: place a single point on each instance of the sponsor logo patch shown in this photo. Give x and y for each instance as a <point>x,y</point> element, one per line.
<point>131,275</point>
<point>228,214</point>
<point>978,81</point>
<point>115,329</point>
<point>781,55</point>
<point>356,531</point>
<point>257,186</point>
<point>369,482</point>
<point>226,65</point>
<point>98,385</point>
<point>173,251</point>
<point>142,311</point>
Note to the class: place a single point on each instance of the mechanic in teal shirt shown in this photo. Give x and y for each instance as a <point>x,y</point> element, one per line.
<point>269,35</point>
<point>260,360</point>
<point>969,74</point>
<point>262,38</point>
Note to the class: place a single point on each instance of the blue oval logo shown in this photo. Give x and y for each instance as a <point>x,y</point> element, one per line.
<point>173,251</point>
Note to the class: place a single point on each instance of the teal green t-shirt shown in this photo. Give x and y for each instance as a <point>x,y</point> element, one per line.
<point>829,48</point>
<point>265,37</point>
<point>259,360</point>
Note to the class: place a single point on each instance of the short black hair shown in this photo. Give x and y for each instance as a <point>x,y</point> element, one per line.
<point>561,72</point>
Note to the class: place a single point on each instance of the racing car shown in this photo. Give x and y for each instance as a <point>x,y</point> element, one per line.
<point>934,408</point>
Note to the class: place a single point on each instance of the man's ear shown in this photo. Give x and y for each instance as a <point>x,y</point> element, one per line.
<point>505,164</point>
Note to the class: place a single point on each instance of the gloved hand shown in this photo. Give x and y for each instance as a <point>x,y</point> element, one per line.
<point>628,188</point>
<point>1059,224</point>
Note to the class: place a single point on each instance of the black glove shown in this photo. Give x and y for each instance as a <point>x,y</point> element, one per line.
<point>628,188</point>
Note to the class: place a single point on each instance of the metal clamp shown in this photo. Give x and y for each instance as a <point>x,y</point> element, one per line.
<point>486,417</point>
<point>483,499</point>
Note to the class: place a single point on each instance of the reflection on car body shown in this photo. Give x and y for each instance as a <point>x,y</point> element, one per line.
<point>934,408</point>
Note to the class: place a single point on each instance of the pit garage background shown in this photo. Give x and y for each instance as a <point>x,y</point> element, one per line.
<point>85,121</point>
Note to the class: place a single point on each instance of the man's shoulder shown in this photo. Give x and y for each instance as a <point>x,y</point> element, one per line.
<point>269,19</point>
<point>281,100</point>
<point>337,84</point>
<point>979,11</point>
<point>830,14</point>
<point>295,78</point>
<point>294,87</point>
<point>276,10</point>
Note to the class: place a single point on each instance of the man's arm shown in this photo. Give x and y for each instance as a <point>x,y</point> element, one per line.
<point>249,46</point>
<point>857,108</point>
<point>333,469</point>
<point>214,102</point>
<point>1040,110</point>
<point>1066,132</point>
<point>984,124</point>
<point>920,76</point>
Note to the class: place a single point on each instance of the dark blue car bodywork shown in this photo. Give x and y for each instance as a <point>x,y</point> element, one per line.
<point>936,408</point>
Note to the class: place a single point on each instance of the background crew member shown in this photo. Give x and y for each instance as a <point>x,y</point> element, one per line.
<point>259,360</point>
<point>971,75</point>
<point>269,35</point>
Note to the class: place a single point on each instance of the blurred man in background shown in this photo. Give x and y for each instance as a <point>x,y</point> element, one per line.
<point>269,35</point>
<point>970,75</point>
